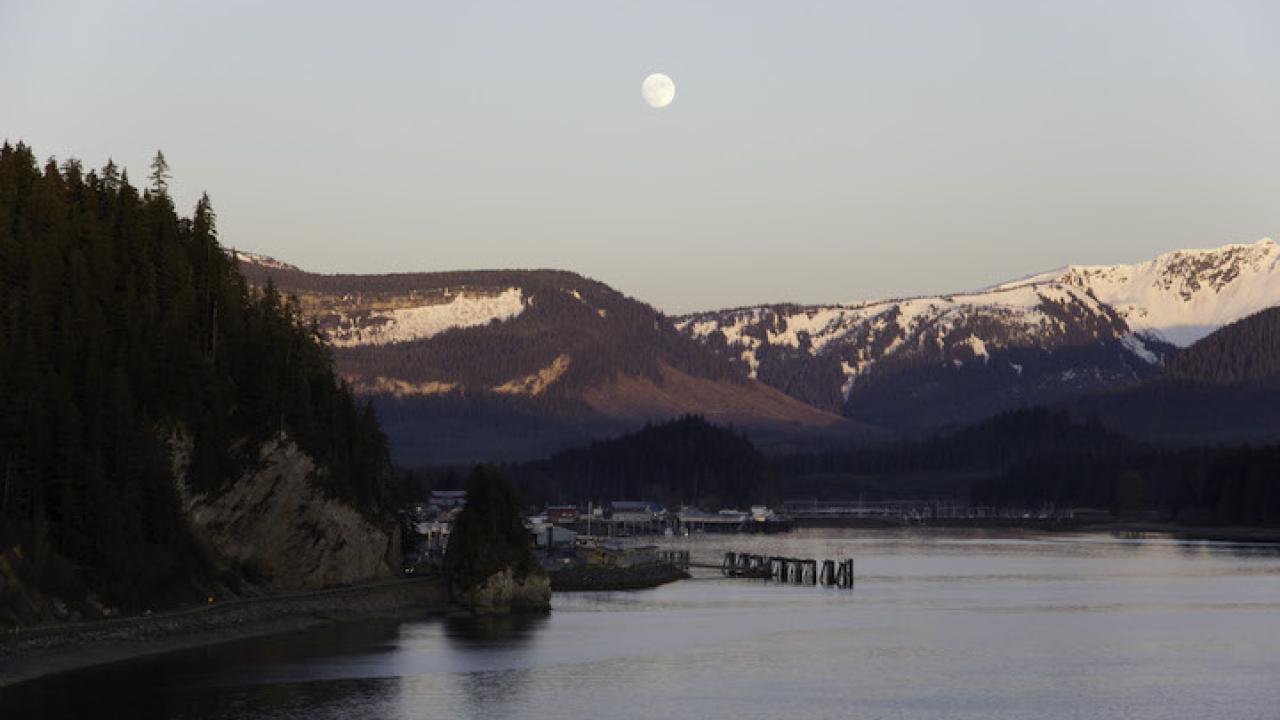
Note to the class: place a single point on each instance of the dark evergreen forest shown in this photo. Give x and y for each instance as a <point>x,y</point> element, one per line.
<point>1208,485</point>
<point>682,461</point>
<point>1037,456</point>
<point>122,327</point>
<point>1024,458</point>
<point>1245,352</point>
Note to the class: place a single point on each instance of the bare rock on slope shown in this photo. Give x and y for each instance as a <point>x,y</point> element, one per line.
<point>275,527</point>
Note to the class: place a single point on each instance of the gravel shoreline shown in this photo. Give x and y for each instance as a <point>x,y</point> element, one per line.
<point>31,653</point>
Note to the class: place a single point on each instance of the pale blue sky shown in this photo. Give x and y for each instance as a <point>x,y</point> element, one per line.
<point>815,152</point>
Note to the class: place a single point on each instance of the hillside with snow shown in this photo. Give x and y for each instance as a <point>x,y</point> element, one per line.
<point>350,327</point>
<point>507,364</point>
<point>546,349</point>
<point>949,358</point>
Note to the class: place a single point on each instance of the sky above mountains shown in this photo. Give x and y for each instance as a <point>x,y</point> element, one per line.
<point>815,152</point>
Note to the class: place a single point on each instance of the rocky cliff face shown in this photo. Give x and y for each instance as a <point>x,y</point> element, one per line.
<point>275,527</point>
<point>503,592</point>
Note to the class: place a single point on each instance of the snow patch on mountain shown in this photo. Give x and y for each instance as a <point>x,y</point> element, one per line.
<point>863,334</point>
<point>261,260</point>
<point>1135,343</point>
<point>978,347</point>
<point>459,310</point>
<point>382,385</point>
<point>536,383</point>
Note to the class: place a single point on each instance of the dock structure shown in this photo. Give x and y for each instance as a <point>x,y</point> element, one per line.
<point>794,571</point>
<point>677,558</point>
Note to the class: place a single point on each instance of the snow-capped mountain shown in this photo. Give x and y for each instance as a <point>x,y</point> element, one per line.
<point>934,360</point>
<point>1184,295</point>
<point>530,351</point>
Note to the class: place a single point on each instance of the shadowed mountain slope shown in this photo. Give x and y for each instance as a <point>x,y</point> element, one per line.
<point>1224,388</point>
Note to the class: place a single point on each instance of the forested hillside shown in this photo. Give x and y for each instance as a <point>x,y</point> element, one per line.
<point>683,461</point>
<point>1039,457</point>
<point>1245,352</point>
<point>1223,389</point>
<point>1214,397</point>
<point>943,465</point>
<point>1205,485</point>
<point>124,328</point>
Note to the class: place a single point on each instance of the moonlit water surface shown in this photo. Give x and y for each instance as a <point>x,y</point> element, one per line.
<point>941,625</point>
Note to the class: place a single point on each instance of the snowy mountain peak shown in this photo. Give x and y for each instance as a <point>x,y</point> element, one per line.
<point>1183,295</point>
<point>1050,333</point>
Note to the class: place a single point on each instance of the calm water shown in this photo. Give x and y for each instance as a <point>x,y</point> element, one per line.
<point>940,625</point>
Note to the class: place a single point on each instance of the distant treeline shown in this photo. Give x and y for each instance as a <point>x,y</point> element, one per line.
<point>992,444</point>
<point>1035,456</point>
<point>1223,485</point>
<point>1024,458</point>
<point>122,327</point>
<point>682,461</point>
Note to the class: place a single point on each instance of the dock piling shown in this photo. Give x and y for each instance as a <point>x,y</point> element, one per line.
<point>794,571</point>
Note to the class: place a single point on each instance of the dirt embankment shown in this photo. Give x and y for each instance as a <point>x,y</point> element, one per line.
<point>26,654</point>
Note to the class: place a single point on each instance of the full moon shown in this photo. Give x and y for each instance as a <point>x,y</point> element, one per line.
<point>658,90</point>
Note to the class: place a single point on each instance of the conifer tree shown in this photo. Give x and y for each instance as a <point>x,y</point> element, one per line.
<point>160,175</point>
<point>111,176</point>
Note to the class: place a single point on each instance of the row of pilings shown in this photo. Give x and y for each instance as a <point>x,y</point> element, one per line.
<point>796,571</point>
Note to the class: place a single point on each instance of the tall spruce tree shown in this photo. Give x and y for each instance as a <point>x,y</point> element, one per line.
<point>160,175</point>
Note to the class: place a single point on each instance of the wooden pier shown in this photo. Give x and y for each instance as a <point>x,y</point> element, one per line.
<point>795,571</point>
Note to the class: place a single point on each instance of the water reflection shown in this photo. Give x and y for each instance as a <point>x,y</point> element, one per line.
<point>487,632</point>
<point>489,672</point>
<point>942,624</point>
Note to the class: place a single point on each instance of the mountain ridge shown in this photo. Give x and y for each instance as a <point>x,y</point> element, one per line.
<point>556,345</point>
<point>956,357</point>
<point>477,364</point>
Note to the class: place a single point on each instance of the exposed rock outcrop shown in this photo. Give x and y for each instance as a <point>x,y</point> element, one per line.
<point>503,592</point>
<point>275,527</point>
